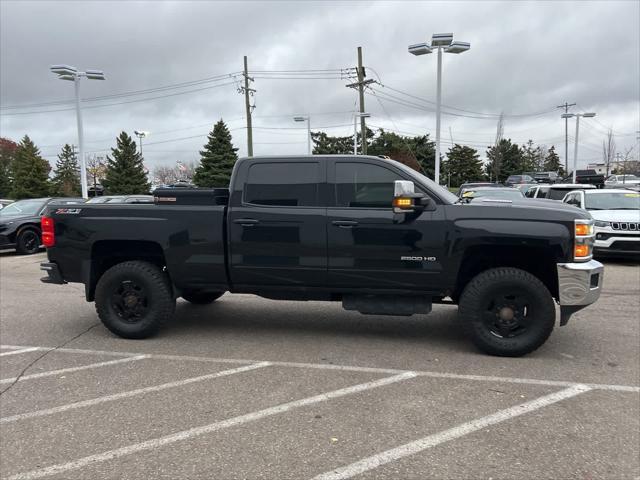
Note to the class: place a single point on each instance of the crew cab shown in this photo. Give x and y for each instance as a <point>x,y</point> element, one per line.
<point>371,233</point>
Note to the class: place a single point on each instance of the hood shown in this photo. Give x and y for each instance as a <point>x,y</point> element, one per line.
<point>526,209</point>
<point>616,215</point>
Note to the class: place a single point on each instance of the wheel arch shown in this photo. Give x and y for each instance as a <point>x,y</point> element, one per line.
<point>107,253</point>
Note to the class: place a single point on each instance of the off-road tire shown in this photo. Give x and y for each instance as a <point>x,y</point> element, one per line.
<point>158,304</point>
<point>28,241</point>
<point>506,282</point>
<point>201,298</point>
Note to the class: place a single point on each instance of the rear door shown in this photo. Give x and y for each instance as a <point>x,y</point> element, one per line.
<point>277,228</point>
<point>369,245</point>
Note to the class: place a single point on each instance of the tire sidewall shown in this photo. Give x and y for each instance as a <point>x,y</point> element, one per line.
<point>157,300</point>
<point>22,236</point>
<point>478,293</point>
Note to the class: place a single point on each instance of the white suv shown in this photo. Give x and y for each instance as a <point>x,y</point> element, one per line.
<point>617,219</point>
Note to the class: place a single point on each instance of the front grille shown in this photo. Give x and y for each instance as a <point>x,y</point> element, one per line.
<point>634,227</point>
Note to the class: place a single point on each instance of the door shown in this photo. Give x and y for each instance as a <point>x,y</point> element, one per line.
<point>277,228</point>
<point>369,245</point>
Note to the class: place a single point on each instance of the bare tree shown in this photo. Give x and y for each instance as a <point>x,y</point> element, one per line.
<point>165,175</point>
<point>608,151</point>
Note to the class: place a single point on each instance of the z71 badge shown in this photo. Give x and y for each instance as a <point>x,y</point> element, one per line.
<point>68,211</point>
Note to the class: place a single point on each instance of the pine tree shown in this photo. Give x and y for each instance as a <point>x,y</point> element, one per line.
<point>125,173</point>
<point>30,172</point>
<point>462,165</point>
<point>66,176</point>
<point>217,159</point>
<point>7,156</point>
<point>552,162</point>
<point>530,156</point>
<point>505,159</point>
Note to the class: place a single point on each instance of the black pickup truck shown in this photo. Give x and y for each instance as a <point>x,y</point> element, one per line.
<point>371,233</point>
<point>589,177</point>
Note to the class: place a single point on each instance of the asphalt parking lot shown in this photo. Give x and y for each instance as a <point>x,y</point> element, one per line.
<point>251,388</point>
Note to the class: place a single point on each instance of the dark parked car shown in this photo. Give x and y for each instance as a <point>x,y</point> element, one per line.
<point>546,177</point>
<point>587,177</point>
<point>20,223</point>
<point>518,179</point>
<point>371,233</point>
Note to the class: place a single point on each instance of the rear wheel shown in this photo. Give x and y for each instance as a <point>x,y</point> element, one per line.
<point>28,242</point>
<point>134,299</point>
<point>507,312</point>
<point>201,298</point>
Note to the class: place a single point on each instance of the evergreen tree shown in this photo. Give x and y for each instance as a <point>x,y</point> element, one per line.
<point>552,162</point>
<point>7,156</point>
<point>217,159</point>
<point>463,165</point>
<point>395,146</point>
<point>505,159</point>
<point>324,144</point>
<point>30,172</point>
<point>66,176</point>
<point>125,173</point>
<point>530,158</point>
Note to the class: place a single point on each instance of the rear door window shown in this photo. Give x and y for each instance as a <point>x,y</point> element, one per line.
<point>286,184</point>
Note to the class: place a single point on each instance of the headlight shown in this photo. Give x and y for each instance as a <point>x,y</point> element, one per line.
<point>584,238</point>
<point>600,223</point>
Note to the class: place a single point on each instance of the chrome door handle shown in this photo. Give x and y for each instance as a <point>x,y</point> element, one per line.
<point>246,222</point>
<point>345,223</point>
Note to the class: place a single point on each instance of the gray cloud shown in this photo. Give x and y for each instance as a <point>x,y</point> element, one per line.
<point>525,57</point>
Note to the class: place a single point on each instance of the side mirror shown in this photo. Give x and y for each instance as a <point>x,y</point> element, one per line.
<point>405,200</point>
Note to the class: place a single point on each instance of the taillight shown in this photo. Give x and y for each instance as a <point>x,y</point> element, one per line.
<point>48,234</point>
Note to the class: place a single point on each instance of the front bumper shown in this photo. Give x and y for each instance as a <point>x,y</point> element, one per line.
<point>579,285</point>
<point>623,242</point>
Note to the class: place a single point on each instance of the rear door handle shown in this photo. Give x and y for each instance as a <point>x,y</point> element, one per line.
<point>345,223</point>
<point>246,222</point>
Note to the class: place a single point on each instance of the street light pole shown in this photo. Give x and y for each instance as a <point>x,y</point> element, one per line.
<point>361,116</point>
<point>436,172</point>
<point>83,163</point>
<point>440,41</point>
<point>575,146</point>
<point>67,72</point>
<point>308,120</point>
<point>140,134</point>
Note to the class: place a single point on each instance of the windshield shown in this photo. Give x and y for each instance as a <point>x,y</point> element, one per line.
<point>612,201</point>
<point>442,192</point>
<point>507,194</point>
<point>23,207</point>
<point>625,178</point>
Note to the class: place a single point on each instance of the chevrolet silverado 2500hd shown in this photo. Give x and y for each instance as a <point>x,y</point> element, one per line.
<point>366,231</point>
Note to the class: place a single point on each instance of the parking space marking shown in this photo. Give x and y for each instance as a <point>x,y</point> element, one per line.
<point>350,368</point>
<point>21,350</point>
<point>132,393</point>
<point>436,439</point>
<point>73,369</point>
<point>212,427</point>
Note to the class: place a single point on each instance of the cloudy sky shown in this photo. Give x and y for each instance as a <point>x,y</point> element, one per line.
<point>172,69</point>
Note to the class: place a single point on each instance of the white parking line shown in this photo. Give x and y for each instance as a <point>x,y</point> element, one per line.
<point>16,352</point>
<point>350,368</point>
<point>430,441</point>
<point>73,369</point>
<point>131,393</point>
<point>212,427</point>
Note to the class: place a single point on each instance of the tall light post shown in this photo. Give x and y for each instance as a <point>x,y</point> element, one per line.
<point>66,72</point>
<point>308,120</point>
<point>440,41</point>
<point>141,134</point>
<point>575,147</point>
<point>356,116</point>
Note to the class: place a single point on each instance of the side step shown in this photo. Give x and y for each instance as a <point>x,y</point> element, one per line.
<point>387,304</point>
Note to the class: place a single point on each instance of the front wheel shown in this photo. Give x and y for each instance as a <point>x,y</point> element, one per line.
<point>507,311</point>
<point>134,299</point>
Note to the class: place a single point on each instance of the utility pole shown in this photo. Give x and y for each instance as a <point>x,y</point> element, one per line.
<point>566,134</point>
<point>360,84</point>
<point>248,92</point>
